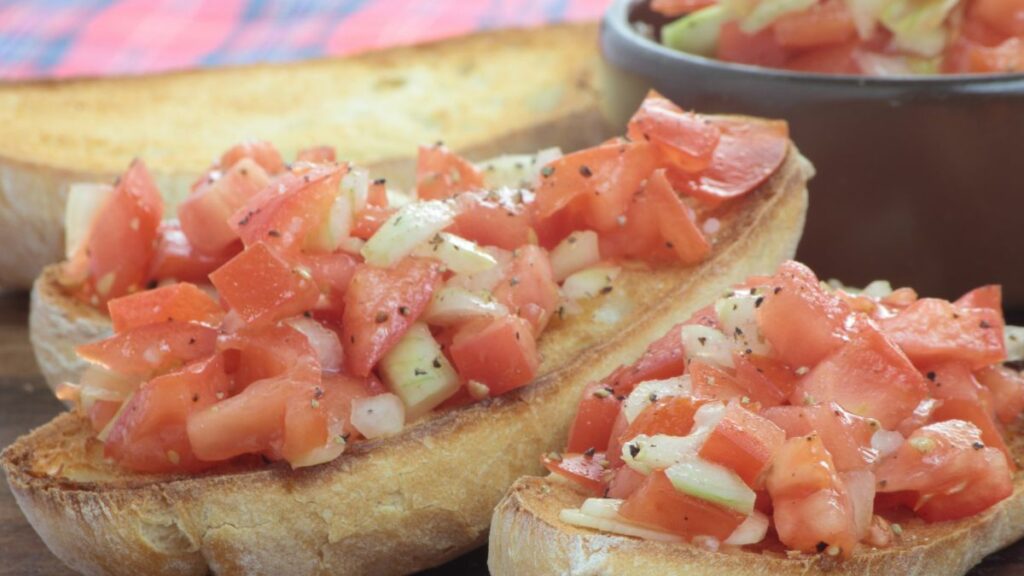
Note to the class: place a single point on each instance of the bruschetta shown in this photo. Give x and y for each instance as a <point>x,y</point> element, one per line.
<point>364,373</point>
<point>789,427</point>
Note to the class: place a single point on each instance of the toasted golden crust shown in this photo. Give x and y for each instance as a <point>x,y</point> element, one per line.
<point>528,539</point>
<point>505,91</point>
<point>389,506</point>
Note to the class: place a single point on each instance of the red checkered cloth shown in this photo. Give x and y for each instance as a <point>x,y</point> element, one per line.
<point>65,38</point>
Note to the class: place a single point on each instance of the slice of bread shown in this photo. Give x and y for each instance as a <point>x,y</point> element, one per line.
<point>389,506</point>
<point>507,91</point>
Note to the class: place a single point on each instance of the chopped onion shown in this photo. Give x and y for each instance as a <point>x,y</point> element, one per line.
<point>377,416</point>
<point>355,184</point>
<point>397,198</point>
<point>620,526</point>
<point>737,313</point>
<point>323,340</point>
<point>707,345</point>
<point>83,205</point>
<point>601,507</point>
<point>452,304</point>
<point>576,252</point>
<point>751,531</point>
<point>412,225</point>
<point>334,228</point>
<point>886,442</point>
<point>860,485</point>
<point>713,483</point>
<point>1014,337</point>
<point>456,253</point>
<point>590,282</point>
<point>646,393</point>
<point>516,170</point>
<point>648,453</point>
<point>99,383</point>
<point>486,280</point>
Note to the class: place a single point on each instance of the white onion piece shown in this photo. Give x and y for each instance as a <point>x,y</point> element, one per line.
<point>378,416</point>
<point>98,383</point>
<point>885,442</point>
<point>486,280</point>
<point>456,253</point>
<point>577,518</point>
<point>707,345</point>
<point>601,507</point>
<point>860,485</point>
<point>351,245</point>
<point>334,228</point>
<point>713,483</point>
<point>1014,337</point>
<point>105,433</point>
<point>412,225</point>
<point>397,198</point>
<point>325,342</point>
<point>452,304</point>
<point>574,253</point>
<point>83,205</point>
<point>355,185</point>
<point>737,313</point>
<point>516,170</point>
<point>751,531</point>
<point>648,453</point>
<point>590,282</point>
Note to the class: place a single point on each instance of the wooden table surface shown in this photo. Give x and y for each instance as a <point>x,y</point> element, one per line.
<point>26,402</point>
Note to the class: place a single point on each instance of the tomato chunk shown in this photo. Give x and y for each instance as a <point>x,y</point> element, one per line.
<point>152,348</point>
<point>932,330</point>
<point>261,287</point>
<point>639,236</point>
<point>595,416</point>
<point>150,434</point>
<point>674,222</point>
<point>990,297</point>
<point>846,436</point>
<point>1007,388</point>
<point>175,302</point>
<point>177,259</point>
<point>964,398</point>
<point>588,471</point>
<point>712,382</point>
<point>686,140</point>
<point>823,516</point>
<point>205,213</point>
<point>802,466</point>
<point>822,24</point>
<point>499,352</point>
<point>493,218</point>
<point>528,287</point>
<point>663,358</point>
<point>744,442</point>
<point>260,151</point>
<point>672,416</point>
<point>380,305</point>
<point>441,173</point>
<point>658,504</point>
<point>765,379</point>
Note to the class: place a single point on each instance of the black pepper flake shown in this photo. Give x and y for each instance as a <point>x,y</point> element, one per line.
<point>381,317</point>
<point>589,452</point>
<point>191,340</point>
<point>152,284</point>
<point>585,171</point>
<point>821,546</point>
<point>634,450</point>
<point>353,339</point>
<point>547,171</point>
<point>738,331</point>
<point>380,182</point>
<point>703,340</point>
<point>307,314</point>
<point>759,301</point>
<point>606,289</point>
<point>669,245</point>
<point>403,310</point>
<point>930,376</point>
<point>653,397</point>
<point>777,290</point>
<point>318,392</point>
<point>437,362</point>
<point>273,234</point>
<point>248,216</point>
<point>195,397</point>
<point>977,445</point>
<point>419,372</point>
<point>514,281</point>
<point>984,325</point>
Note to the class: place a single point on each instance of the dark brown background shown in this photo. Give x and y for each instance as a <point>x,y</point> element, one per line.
<point>26,402</point>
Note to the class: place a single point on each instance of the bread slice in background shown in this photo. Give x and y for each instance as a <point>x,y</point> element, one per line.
<point>528,539</point>
<point>390,506</point>
<point>505,91</point>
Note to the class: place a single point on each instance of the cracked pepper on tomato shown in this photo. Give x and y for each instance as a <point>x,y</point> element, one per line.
<point>872,37</point>
<point>292,309</point>
<point>794,413</point>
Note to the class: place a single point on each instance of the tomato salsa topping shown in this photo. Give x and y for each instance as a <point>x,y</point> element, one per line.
<point>870,37</point>
<point>291,309</point>
<point>807,415</point>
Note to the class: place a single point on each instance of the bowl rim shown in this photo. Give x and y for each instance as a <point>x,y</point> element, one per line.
<point>616,19</point>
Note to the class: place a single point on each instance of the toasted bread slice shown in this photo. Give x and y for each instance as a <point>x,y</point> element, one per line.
<point>508,91</point>
<point>528,539</point>
<point>388,506</point>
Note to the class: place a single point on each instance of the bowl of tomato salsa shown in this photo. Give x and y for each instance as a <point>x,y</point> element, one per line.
<point>918,175</point>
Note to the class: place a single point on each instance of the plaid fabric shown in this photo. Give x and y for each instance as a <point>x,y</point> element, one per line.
<point>65,38</point>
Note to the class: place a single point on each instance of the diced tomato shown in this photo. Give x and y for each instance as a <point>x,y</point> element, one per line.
<point>261,287</point>
<point>151,349</point>
<point>181,302</point>
<point>830,59</point>
<point>595,416</point>
<point>1007,388</point>
<point>678,7</point>
<point>823,516</point>
<point>283,214</point>
<point>494,218</point>
<point>260,151</point>
<point>498,352</point>
<point>205,213</point>
<point>331,272</point>
<point>743,442</point>
<point>369,220</point>
<point>177,259</point>
<point>802,466</point>
<point>846,436</point>
<point>259,352</point>
<point>761,49</point>
<point>964,398</point>
<point>950,469</point>
<point>617,438</point>
<point>317,154</point>
<point>528,288</point>
<point>801,321</point>
<point>586,471</point>
<point>121,249</point>
<point>765,379</point>
<point>639,236</point>
<point>674,222</point>
<point>672,416</point>
<point>1006,16</point>
<point>966,56</point>
<point>664,358</point>
<point>380,305</point>
<point>624,482</point>
<point>900,298</point>
<point>712,382</point>
<point>868,376</point>
<point>441,173</point>
<point>933,330</point>
<point>658,504</point>
<point>822,24</point>
<point>608,176</point>
<point>101,413</point>
<point>150,435</point>
<point>990,297</point>
<point>684,139</point>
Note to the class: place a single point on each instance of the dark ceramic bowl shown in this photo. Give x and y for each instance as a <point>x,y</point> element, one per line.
<point>920,180</point>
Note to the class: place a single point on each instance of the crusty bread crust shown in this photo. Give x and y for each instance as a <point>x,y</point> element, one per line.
<point>528,539</point>
<point>389,506</point>
<point>375,108</point>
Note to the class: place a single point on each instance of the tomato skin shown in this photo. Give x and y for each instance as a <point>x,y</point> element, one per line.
<point>1007,388</point>
<point>121,250</point>
<point>595,415</point>
<point>152,348</point>
<point>150,435</point>
<point>178,302</point>
<point>822,24</point>
<point>951,455</point>
<point>176,259</point>
<point>658,504</point>
<point>745,443</point>
<point>803,323</point>
<point>868,376</point>
<point>260,151</point>
<point>677,228</point>
<point>441,173</point>
<point>528,288</point>
<point>284,213</point>
<point>205,213</point>
<point>685,140</point>
<point>499,352</point>
<point>397,296</point>
<point>932,330</point>
<point>261,287</point>
<point>587,472</point>
<point>492,218</point>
